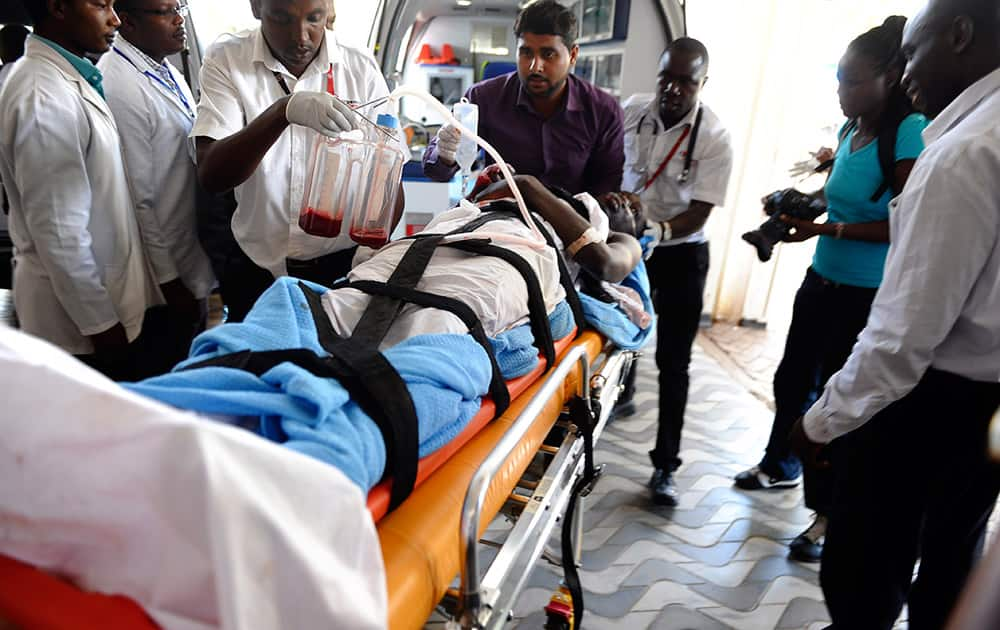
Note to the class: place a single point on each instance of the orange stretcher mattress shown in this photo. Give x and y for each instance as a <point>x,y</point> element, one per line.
<point>378,497</point>
<point>420,539</point>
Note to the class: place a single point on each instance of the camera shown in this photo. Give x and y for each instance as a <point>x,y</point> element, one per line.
<point>790,202</point>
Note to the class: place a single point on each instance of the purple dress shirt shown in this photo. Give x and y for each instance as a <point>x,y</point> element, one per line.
<point>580,148</point>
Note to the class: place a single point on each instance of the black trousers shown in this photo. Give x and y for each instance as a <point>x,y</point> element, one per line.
<point>677,276</point>
<point>826,321</point>
<point>242,281</point>
<point>915,480</point>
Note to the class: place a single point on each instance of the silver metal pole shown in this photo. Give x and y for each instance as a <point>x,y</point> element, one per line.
<point>470,599</point>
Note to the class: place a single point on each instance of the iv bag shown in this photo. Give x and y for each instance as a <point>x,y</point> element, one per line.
<point>468,114</point>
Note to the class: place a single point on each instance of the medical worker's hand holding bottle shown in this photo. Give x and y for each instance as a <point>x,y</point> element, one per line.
<point>448,138</point>
<point>323,112</point>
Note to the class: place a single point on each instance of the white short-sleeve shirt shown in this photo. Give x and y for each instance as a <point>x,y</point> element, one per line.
<point>238,84</point>
<point>648,142</point>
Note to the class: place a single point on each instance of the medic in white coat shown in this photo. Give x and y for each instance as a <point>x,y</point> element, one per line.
<point>154,109</point>
<point>81,279</point>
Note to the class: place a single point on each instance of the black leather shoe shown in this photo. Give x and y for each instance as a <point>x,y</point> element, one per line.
<point>662,489</point>
<point>808,546</point>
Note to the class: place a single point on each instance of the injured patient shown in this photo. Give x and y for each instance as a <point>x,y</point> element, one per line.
<point>391,364</point>
<point>205,525</point>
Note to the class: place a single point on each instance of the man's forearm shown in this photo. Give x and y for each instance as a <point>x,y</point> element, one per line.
<point>691,220</point>
<point>225,164</point>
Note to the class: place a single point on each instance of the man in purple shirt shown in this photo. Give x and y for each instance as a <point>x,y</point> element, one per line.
<point>542,119</point>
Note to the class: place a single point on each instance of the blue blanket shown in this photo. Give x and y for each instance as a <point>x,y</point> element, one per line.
<point>316,416</point>
<point>611,322</point>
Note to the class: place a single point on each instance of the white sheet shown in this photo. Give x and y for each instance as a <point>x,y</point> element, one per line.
<point>202,524</point>
<point>492,288</point>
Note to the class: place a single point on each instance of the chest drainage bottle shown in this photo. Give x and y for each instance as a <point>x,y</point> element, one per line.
<point>354,178</point>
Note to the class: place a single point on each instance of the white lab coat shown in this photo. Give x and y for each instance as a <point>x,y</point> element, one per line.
<point>79,262</point>
<point>204,525</point>
<point>154,124</point>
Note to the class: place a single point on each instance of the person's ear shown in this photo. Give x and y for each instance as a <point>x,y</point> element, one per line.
<point>128,23</point>
<point>962,34</point>
<point>573,53</point>
<point>57,8</point>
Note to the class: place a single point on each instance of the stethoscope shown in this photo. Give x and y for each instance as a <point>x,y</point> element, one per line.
<point>173,89</point>
<point>647,140</point>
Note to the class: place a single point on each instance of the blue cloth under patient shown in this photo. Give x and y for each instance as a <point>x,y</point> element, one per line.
<point>315,416</point>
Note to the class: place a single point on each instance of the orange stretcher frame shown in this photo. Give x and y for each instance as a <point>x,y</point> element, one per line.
<point>420,539</point>
<point>378,497</point>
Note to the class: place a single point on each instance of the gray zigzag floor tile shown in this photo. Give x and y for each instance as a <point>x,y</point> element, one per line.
<point>717,555</point>
<point>656,570</point>
<point>745,528</point>
<point>744,597</point>
<point>769,569</point>
<point>680,618</point>
<point>801,613</point>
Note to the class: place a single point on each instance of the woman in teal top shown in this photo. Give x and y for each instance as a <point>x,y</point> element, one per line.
<point>878,146</point>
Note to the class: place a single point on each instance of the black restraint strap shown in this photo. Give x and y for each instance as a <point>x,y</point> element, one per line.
<point>389,406</point>
<point>538,315</point>
<point>585,419</point>
<point>383,310</point>
<point>567,282</point>
<point>501,210</point>
<point>498,387</point>
<point>376,386</point>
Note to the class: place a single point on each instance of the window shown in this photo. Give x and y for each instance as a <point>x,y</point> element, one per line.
<point>603,70</point>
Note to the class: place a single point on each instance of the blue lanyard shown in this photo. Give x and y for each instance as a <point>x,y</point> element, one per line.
<point>174,88</point>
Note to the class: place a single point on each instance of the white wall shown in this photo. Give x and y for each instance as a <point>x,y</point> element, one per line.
<point>772,80</point>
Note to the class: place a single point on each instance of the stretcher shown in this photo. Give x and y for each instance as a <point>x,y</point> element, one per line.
<point>432,537</point>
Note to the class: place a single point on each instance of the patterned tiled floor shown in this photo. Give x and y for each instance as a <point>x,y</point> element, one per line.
<point>716,561</point>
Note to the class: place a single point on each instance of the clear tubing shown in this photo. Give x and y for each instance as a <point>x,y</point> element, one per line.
<point>538,241</point>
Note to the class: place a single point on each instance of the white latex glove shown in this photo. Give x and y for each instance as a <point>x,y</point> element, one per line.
<point>320,111</point>
<point>654,230</point>
<point>448,137</point>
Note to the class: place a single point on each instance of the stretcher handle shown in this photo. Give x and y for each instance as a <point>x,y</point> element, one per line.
<point>470,599</point>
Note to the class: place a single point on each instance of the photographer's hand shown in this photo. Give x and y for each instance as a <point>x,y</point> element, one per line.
<point>803,230</point>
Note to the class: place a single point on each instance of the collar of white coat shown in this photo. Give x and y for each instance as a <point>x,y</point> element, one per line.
<point>966,102</point>
<point>329,53</point>
<point>141,60</point>
<point>143,63</point>
<point>40,50</point>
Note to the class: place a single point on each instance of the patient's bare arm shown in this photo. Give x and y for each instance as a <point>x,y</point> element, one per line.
<point>610,261</point>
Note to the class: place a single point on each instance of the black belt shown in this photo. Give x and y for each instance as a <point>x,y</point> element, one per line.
<point>826,282</point>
